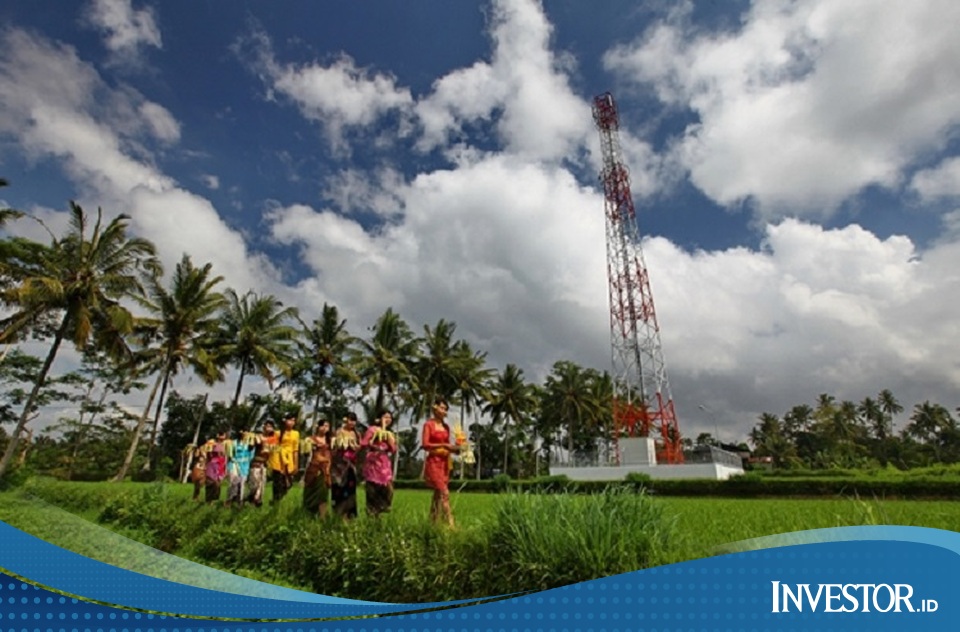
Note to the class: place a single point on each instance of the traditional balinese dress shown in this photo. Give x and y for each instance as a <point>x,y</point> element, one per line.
<point>436,467</point>
<point>216,469</point>
<point>316,478</point>
<point>380,445</point>
<point>199,472</point>
<point>238,469</point>
<point>343,472</point>
<point>286,464</point>
<point>257,478</point>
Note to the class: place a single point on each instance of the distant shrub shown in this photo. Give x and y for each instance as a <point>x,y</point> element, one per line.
<point>16,477</point>
<point>547,484</point>
<point>501,482</point>
<point>638,479</point>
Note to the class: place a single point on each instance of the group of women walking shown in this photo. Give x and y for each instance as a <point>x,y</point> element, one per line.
<point>331,476</point>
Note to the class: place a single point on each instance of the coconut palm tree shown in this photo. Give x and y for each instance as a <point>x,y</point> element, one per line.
<point>324,346</point>
<point>435,368</point>
<point>890,407</point>
<point>385,361</point>
<point>567,399</point>
<point>872,415</point>
<point>600,412</point>
<point>471,385</point>
<point>769,440</point>
<point>111,378</point>
<point>928,424</point>
<point>843,426</point>
<point>255,337</point>
<point>77,283</point>
<point>7,214</point>
<point>797,420</point>
<point>512,399</point>
<point>182,322</point>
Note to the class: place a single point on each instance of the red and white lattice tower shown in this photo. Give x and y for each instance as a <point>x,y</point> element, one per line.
<point>642,404</point>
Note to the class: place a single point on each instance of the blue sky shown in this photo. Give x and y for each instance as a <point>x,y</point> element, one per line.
<point>795,168</point>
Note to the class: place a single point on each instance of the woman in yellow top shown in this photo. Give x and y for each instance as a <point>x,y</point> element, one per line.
<point>285,460</point>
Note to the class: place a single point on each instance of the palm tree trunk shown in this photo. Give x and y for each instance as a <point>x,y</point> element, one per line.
<point>506,445</point>
<point>82,432</point>
<point>463,427</point>
<point>122,474</point>
<point>236,396</point>
<point>479,451</point>
<point>379,405</point>
<point>156,421</point>
<point>316,406</point>
<point>34,394</point>
<point>196,436</point>
<point>26,448</point>
<point>396,431</point>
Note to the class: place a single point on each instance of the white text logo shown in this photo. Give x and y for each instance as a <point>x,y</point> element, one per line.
<point>848,598</point>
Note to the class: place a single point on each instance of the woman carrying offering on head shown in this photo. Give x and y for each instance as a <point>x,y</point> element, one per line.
<point>343,470</point>
<point>380,445</point>
<point>436,441</point>
<point>216,468</point>
<point>285,460</point>
<point>239,455</point>
<point>199,472</point>
<point>264,445</point>
<point>316,479</point>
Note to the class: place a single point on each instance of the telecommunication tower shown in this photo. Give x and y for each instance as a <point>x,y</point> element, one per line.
<point>642,404</point>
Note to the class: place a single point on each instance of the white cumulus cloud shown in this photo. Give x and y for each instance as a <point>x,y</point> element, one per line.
<point>57,106</point>
<point>338,95</point>
<point>808,102</point>
<point>940,181</point>
<point>126,31</point>
<point>524,88</point>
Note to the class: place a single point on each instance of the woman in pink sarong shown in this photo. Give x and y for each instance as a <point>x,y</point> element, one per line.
<point>216,468</point>
<point>380,445</point>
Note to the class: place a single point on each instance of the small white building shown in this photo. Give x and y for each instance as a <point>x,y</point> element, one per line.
<point>638,454</point>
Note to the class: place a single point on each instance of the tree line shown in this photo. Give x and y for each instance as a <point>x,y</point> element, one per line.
<point>847,434</point>
<point>105,292</point>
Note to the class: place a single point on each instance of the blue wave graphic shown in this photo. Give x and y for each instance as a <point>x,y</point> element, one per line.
<point>727,592</point>
<point>948,540</point>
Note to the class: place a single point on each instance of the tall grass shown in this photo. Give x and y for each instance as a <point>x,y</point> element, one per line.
<point>560,539</point>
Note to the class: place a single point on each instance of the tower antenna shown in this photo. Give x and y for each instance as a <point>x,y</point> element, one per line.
<point>642,403</point>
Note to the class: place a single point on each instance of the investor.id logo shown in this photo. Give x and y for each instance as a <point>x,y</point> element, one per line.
<point>847,598</point>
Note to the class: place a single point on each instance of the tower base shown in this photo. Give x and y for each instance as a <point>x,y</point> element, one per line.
<point>713,471</point>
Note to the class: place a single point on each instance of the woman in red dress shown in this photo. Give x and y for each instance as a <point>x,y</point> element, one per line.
<point>436,469</point>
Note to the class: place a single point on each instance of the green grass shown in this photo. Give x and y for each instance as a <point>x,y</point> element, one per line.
<point>709,523</point>
<point>502,543</point>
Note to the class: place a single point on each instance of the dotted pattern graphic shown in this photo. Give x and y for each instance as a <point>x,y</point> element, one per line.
<point>731,592</point>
